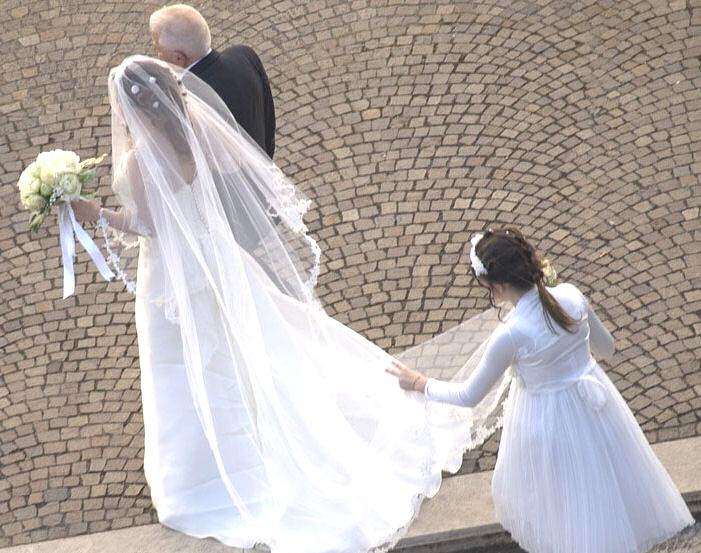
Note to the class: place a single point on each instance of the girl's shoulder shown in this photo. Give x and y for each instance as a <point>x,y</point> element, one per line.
<point>567,289</point>
<point>570,297</point>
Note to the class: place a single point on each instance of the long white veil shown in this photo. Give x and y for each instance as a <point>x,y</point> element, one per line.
<point>306,428</point>
<point>187,124</point>
<point>453,356</point>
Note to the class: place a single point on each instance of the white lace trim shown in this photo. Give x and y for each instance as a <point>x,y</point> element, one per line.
<point>294,207</point>
<point>314,275</point>
<point>112,258</point>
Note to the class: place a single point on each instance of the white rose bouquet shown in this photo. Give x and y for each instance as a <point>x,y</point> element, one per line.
<point>56,177</point>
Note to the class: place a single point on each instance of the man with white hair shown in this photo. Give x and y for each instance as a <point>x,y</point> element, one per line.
<point>181,36</point>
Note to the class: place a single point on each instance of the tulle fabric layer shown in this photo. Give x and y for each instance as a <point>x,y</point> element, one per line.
<point>575,475</point>
<point>266,420</point>
<point>334,458</point>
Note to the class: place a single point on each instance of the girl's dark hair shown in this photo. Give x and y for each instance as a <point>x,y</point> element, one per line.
<point>510,259</point>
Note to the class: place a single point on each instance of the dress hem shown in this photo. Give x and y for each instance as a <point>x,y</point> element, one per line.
<point>643,548</point>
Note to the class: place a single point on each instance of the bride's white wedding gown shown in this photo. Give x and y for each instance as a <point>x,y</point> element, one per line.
<point>318,451</point>
<point>266,421</point>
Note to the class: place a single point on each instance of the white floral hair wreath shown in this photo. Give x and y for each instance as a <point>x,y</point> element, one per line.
<point>477,265</point>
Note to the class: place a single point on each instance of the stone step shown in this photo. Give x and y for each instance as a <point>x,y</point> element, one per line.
<point>461,516</point>
<point>459,519</point>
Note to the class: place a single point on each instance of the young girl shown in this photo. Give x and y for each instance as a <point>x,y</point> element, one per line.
<point>574,473</point>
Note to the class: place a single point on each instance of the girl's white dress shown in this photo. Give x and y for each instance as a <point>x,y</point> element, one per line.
<point>574,472</point>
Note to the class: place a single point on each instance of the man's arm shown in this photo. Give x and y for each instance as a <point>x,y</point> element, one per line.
<point>268,104</point>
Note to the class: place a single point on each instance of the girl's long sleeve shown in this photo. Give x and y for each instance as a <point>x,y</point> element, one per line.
<point>600,339</point>
<point>499,355</point>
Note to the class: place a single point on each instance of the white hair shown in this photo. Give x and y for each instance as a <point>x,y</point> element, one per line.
<point>181,27</point>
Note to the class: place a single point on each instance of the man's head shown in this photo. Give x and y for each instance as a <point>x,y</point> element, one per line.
<point>180,34</point>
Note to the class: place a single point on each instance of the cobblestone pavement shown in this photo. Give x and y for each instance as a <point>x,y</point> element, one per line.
<point>410,125</point>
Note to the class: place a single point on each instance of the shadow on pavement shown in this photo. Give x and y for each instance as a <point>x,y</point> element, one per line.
<point>688,541</point>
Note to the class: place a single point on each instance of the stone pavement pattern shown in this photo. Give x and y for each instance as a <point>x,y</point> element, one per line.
<point>410,125</point>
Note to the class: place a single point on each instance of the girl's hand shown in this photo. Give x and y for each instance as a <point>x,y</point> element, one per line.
<point>409,379</point>
<point>86,210</point>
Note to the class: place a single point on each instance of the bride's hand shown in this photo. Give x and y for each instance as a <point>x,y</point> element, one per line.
<point>409,379</point>
<point>86,210</point>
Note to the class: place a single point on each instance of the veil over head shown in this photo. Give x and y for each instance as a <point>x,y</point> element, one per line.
<point>304,424</point>
<point>170,130</point>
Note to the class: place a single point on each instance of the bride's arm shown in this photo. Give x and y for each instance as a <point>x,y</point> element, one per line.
<point>122,220</point>
<point>89,210</point>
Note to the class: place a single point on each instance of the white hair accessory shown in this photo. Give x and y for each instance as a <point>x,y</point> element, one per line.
<point>156,104</point>
<point>152,79</point>
<point>477,265</point>
<point>135,89</point>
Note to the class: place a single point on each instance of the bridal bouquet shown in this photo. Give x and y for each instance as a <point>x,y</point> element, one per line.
<point>57,178</point>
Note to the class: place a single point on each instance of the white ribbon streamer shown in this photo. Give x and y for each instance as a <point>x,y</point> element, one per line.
<point>68,225</point>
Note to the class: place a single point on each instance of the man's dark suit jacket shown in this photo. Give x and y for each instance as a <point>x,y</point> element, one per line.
<point>238,76</point>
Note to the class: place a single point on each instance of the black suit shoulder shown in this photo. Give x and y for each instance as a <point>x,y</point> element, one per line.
<point>237,75</point>
<point>240,53</point>
<point>239,50</point>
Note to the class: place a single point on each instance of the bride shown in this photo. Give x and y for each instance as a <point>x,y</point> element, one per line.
<point>266,421</point>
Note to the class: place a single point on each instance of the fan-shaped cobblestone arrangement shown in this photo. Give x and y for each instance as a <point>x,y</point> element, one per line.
<point>410,125</point>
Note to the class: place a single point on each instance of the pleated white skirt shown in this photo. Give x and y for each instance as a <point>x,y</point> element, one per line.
<point>575,473</point>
